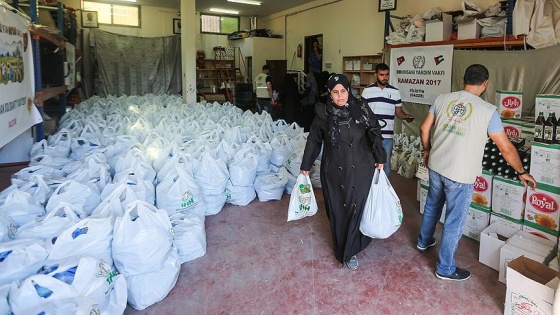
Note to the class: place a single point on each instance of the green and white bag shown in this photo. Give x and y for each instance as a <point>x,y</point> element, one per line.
<point>302,201</point>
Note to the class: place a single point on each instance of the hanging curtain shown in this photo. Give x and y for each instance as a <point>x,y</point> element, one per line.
<point>131,65</point>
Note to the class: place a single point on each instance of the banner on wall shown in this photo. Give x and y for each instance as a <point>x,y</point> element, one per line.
<point>17,84</point>
<point>421,73</point>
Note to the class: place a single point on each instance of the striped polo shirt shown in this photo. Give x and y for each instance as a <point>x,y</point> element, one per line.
<point>383,102</point>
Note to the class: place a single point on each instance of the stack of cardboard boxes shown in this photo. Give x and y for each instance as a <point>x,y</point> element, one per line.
<point>508,219</point>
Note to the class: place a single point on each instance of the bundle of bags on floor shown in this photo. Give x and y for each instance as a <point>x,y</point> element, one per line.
<point>406,154</point>
<point>113,203</point>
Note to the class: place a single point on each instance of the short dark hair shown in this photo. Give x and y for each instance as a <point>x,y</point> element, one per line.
<point>381,66</point>
<point>266,67</point>
<point>475,75</point>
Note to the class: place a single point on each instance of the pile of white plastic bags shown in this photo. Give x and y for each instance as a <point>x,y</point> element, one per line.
<point>113,203</point>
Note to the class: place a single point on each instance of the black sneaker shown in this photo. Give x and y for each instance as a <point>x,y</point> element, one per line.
<point>458,275</point>
<point>423,248</point>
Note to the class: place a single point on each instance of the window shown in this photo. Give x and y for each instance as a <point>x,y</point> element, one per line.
<point>219,24</point>
<point>127,15</point>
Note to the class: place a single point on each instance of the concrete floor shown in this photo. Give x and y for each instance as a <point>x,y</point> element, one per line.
<point>257,263</point>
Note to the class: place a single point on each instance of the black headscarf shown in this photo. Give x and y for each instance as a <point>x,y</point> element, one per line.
<point>341,115</point>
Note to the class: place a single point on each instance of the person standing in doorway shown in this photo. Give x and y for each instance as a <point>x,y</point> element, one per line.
<point>315,58</point>
<point>263,84</point>
<point>349,133</point>
<point>385,101</point>
<point>462,122</point>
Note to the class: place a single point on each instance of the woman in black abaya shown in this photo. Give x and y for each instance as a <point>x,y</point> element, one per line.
<point>352,150</point>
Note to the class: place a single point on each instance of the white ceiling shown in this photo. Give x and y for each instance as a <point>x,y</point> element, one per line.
<point>267,7</point>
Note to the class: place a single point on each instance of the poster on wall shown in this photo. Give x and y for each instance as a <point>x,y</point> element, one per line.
<point>421,73</point>
<point>17,84</point>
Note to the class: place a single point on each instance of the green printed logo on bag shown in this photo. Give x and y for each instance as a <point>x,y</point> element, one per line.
<point>305,188</point>
<point>292,157</point>
<point>304,203</point>
<point>187,200</point>
<point>228,194</point>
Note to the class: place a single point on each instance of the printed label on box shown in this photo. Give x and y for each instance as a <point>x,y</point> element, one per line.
<point>509,103</point>
<point>542,207</point>
<point>508,197</point>
<point>482,194</point>
<point>545,163</point>
<point>477,221</point>
<point>535,230</point>
<point>547,104</point>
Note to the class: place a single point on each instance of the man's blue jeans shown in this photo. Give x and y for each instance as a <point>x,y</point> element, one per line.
<point>458,198</point>
<point>388,146</point>
<point>264,105</point>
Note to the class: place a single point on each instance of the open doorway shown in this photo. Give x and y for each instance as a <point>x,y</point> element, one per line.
<point>313,55</point>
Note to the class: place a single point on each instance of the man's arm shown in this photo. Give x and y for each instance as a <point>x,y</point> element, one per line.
<point>425,128</point>
<point>402,115</point>
<point>512,157</point>
<point>269,89</point>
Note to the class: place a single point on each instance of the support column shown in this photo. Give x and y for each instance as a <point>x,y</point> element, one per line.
<point>188,50</point>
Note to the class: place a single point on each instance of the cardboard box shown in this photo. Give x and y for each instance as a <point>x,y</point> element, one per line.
<point>438,30</point>
<point>509,103</point>
<point>503,220</point>
<point>547,103</point>
<point>545,163</point>
<point>492,239</point>
<point>482,190</point>
<point>508,197</point>
<point>524,244</point>
<point>468,29</point>
<point>542,208</point>
<point>513,128</point>
<point>531,287</point>
<point>539,231</point>
<point>478,219</point>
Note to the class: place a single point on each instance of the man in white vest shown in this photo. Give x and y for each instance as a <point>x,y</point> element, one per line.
<point>462,122</point>
<point>263,84</point>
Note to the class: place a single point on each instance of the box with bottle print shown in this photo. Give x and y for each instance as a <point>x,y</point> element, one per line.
<point>542,208</point>
<point>547,103</point>
<point>508,197</point>
<point>545,163</point>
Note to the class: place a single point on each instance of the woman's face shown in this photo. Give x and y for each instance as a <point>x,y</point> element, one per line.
<point>339,95</point>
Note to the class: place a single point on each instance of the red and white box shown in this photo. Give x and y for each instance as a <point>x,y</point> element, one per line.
<point>509,103</point>
<point>508,197</point>
<point>513,128</point>
<point>482,190</point>
<point>542,207</point>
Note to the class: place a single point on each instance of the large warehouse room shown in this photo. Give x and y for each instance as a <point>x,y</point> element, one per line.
<point>279,157</point>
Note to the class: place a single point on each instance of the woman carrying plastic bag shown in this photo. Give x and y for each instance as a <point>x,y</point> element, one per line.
<point>383,212</point>
<point>302,202</point>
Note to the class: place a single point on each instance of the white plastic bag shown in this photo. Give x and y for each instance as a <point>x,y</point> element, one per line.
<point>239,195</point>
<point>142,239</point>
<point>89,237</point>
<point>149,288</point>
<point>45,228</point>
<point>20,259</point>
<point>179,193</point>
<point>383,212</point>
<point>190,236</point>
<point>270,186</point>
<point>302,201</point>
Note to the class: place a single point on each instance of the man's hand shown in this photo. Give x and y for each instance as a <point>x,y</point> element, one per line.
<point>527,179</point>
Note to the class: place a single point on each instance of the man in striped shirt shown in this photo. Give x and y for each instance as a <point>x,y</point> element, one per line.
<point>385,101</point>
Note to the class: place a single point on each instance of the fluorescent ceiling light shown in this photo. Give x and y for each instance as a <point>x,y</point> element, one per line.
<point>251,2</point>
<point>223,11</point>
<point>128,0</point>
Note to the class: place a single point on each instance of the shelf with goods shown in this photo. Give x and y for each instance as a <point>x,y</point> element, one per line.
<point>360,70</point>
<point>216,78</point>
<point>48,57</point>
